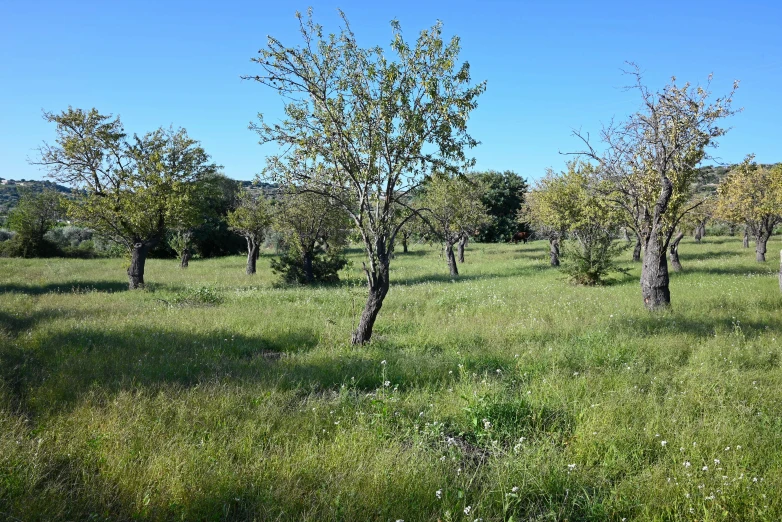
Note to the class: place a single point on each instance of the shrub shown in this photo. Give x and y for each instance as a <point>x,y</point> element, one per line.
<point>325,266</point>
<point>198,296</point>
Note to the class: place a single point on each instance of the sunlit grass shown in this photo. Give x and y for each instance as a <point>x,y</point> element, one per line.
<point>512,393</point>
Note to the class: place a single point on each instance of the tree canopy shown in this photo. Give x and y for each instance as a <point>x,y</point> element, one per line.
<point>364,127</point>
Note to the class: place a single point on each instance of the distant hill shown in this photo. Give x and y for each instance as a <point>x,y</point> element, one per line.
<point>9,192</point>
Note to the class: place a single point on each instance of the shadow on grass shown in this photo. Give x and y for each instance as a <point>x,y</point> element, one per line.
<point>59,369</point>
<point>67,287</point>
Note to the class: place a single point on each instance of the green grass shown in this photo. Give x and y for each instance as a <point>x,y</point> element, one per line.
<point>159,405</point>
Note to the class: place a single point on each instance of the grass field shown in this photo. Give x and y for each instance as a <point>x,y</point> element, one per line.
<point>507,395</point>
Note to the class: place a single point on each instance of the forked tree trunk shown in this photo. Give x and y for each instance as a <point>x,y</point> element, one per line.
<point>138,258</point>
<point>745,244</point>
<point>185,258</point>
<point>378,283</point>
<point>674,252</point>
<point>308,273</point>
<point>637,249</point>
<point>252,256</point>
<point>554,250</point>
<point>462,244</point>
<point>451,260</point>
<point>654,275</point>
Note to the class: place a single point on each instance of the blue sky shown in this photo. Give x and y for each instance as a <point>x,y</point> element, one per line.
<point>550,66</point>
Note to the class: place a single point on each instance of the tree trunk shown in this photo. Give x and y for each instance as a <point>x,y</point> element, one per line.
<point>674,252</point>
<point>698,234</point>
<point>252,256</point>
<point>451,260</point>
<point>404,244</point>
<point>760,247</point>
<point>308,273</point>
<point>378,284</point>
<point>654,275</point>
<point>554,250</point>
<point>732,229</point>
<point>138,258</point>
<point>703,228</point>
<point>462,243</point>
<point>185,258</point>
<point>637,250</point>
<point>625,235</point>
<point>745,244</point>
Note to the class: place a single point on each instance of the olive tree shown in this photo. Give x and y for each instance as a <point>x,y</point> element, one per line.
<point>250,219</point>
<point>130,191</point>
<point>453,209</point>
<point>364,126</point>
<point>650,161</point>
<point>752,195</point>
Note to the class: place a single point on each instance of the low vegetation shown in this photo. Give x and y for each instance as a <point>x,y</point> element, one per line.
<point>509,394</point>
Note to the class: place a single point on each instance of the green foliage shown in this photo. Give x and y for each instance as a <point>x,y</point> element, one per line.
<point>503,197</point>
<point>314,234</point>
<point>751,195</point>
<point>571,203</point>
<point>33,217</point>
<point>452,207</point>
<point>325,266</point>
<point>129,190</point>
<point>251,217</point>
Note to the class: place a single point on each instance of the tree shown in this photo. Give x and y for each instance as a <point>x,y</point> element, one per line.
<point>752,195</point>
<point>650,162</point>
<point>131,191</point>
<point>503,197</point>
<point>250,219</point>
<point>454,211</point>
<point>213,237</point>
<point>32,218</point>
<point>364,128</point>
<point>315,234</point>
<point>571,204</point>
<point>181,243</point>
<point>551,208</point>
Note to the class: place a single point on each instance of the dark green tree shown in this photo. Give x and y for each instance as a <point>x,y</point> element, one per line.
<point>503,197</point>
<point>33,217</point>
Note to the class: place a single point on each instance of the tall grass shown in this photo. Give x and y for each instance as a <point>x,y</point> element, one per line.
<point>506,395</point>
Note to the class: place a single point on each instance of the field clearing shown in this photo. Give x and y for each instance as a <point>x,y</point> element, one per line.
<point>506,395</point>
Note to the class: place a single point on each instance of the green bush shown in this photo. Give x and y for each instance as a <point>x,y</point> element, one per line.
<point>325,267</point>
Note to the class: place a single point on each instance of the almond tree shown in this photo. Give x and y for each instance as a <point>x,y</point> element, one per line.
<point>131,191</point>
<point>453,210</point>
<point>752,195</point>
<point>250,219</point>
<point>650,161</point>
<point>364,127</point>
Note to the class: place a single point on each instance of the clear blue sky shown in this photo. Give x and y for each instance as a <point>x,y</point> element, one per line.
<point>551,67</point>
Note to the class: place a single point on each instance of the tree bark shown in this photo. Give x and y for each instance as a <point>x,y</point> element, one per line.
<point>554,250</point>
<point>637,250</point>
<point>451,260</point>
<point>625,235</point>
<point>745,244</point>
<point>654,275</point>
<point>780,270</point>
<point>185,258</point>
<point>404,244</point>
<point>760,247</point>
<point>462,244</point>
<point>308,273</point>
<point>378,283</point>
<point>252,256</point>
<point>674,252</point>
<point>138,258</point>
<point>698,235</point>
<point>732,229</point>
